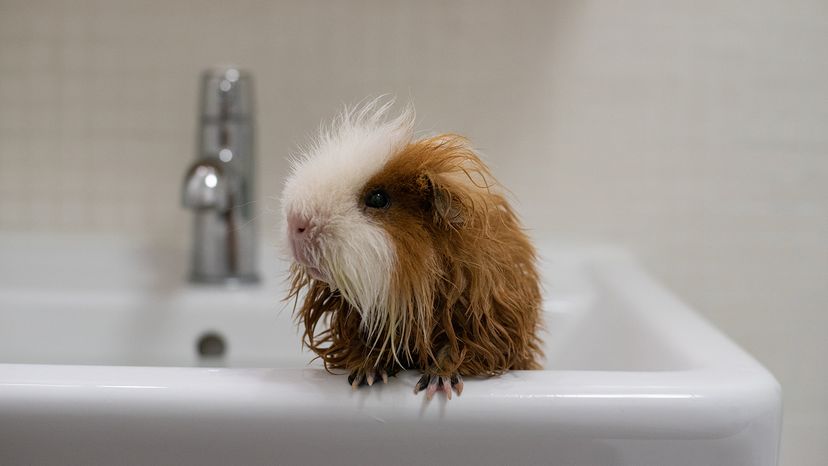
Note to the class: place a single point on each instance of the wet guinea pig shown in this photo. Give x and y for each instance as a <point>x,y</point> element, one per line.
<point>407,256</point>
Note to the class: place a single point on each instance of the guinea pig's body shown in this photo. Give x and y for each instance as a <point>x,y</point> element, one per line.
<point>409,256</point>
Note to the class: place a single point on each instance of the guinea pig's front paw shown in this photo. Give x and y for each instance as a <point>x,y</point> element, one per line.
<point>433,383</point>
<point>366,377</point>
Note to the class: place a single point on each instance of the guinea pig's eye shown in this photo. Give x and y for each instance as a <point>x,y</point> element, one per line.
<point>377,199</point>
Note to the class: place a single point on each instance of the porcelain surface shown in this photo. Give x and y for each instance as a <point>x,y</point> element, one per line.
<point>99,365</point>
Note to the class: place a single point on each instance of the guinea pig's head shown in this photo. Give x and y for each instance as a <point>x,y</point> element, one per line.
<point>375,214</point>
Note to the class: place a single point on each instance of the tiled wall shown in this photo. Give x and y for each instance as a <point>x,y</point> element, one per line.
<point>99,98</point>
<point>90,137</point>
<point>693,132</point>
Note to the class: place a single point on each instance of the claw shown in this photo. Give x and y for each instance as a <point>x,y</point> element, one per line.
<point>356,382</point>
<point>445,386</point>
<point>436,383</point>
<point>422,383</point>
<point>360,377</point>
<point>457,383</point>
<point>432,387</point>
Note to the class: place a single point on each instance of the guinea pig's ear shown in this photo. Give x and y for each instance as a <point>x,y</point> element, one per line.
<point>457,183</point>
<point>446,205</point>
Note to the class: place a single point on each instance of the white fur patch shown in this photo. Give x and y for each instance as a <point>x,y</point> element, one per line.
<point>326,180</point>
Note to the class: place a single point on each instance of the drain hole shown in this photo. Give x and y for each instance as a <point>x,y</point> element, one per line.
<point>211,345</point>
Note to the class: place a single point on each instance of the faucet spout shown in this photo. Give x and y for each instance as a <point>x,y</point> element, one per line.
<point>218,186</point>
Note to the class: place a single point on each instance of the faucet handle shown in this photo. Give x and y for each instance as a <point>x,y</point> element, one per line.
<point>206,186</point>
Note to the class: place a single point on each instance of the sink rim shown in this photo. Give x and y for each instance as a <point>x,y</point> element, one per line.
<point>724,396</point>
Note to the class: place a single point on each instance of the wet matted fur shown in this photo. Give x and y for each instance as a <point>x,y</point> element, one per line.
<point>464,294</point>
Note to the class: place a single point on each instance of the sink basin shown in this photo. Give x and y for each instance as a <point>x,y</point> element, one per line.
<point>107,356</point>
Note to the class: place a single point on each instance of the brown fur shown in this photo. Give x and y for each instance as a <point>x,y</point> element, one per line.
<point>466,289</point>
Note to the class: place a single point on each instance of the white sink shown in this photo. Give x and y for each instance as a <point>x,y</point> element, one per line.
<point>98,365</point>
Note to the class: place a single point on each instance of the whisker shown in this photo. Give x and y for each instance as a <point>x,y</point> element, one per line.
<point>252,219</point>
<point>237,206</point>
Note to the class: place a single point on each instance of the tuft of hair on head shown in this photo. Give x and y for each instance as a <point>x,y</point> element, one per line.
<point>367,125</point>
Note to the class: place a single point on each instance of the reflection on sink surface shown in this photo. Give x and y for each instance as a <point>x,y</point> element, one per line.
<point>632,376</point>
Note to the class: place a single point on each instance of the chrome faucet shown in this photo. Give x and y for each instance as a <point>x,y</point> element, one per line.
<point>219,186</point>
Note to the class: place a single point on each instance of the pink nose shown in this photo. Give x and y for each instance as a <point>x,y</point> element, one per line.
<point>299,232</point>
<point>297,224</point>
<point>303,233</point>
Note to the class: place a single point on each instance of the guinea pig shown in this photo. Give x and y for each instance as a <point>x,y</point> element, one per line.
<point>407,255</point>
